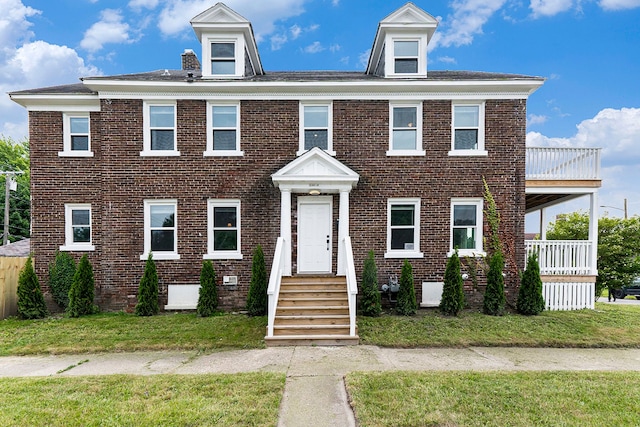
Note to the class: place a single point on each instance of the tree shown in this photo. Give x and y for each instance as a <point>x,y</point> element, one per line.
<point>530,301</point>
<point>82,288</point>
<point>31,303</point>
<point>148,290</point>
<point>61,272</point>
<point>618,246</point>
<point>257,296</point>
<point>452,301</point>
<point>370,303</point>
<point>494,299</point>
<point>407,304</point>
<point>14,156</point>
<point>208,296</point>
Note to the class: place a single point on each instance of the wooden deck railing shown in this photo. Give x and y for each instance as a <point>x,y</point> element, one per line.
<point>563,257</point>
<point>549,163</point>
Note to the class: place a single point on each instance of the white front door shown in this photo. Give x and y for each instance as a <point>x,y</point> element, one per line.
<point>314,234</point>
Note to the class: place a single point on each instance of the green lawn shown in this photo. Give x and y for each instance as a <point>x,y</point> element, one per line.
<point>160,400</point>
<point>495,399</point>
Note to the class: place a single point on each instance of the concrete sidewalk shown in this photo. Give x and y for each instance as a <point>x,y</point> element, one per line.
<point>314,392</point>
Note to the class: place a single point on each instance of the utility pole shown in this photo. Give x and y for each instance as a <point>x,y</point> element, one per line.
<point>625,208</point>
<point>8,183</point>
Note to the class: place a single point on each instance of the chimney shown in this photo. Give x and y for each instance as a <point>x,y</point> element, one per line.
<point>190,60</point>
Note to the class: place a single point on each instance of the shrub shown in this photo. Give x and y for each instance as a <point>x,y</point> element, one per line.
<point>494,298</point>
<point>61,272</point>
<point>407,304</point>
<point>148,290</point>
<point>452,301</point>
<point>82,290</point>
<point>370,304</point>
<point>530,300</point>
<point>257,296</point>
<point>31,303</point>
<point>208,296</point>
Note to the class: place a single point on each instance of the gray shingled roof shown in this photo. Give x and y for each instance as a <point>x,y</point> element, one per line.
<point>21,248</point>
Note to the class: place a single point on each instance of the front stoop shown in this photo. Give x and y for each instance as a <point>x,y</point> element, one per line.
<point>312,311</point>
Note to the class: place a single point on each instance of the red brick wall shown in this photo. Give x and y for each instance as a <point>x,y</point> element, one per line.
<point>117,180</point>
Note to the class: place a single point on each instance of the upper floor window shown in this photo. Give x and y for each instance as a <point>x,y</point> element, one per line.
<point>160,229</point>
<point>467,129</point>
<point>223,135</point>
<point>76,135</point>
<point>224,229</point>
<point>466,226</point>
<point>316,123</point>
<point>77,228</point>
<point>405,130</point>
<point>223,58</point>
<point>403,228</point>
<point>159,129</point>
<point>405,56</point>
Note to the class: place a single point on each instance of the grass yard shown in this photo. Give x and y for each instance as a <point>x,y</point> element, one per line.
<point>495,399</point>
<point>160,400</point>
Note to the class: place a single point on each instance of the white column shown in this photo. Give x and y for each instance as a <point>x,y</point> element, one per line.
<point>343,230</point>
<point>543,224</point>
<point>285,228</point>
<point>593,231</point>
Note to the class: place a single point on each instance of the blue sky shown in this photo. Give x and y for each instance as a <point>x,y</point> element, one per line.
<point>588,50</point>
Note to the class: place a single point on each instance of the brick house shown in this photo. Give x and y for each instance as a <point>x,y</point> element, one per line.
<point>319,168</point>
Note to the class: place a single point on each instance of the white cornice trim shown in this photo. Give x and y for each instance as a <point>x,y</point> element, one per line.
<point>57,102</point>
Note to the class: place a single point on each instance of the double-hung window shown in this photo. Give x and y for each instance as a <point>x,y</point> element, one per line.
<point>159,129</point>
<point>161,229</point>
<point>316,124</point>
<point>466,226</point>
<point>403,228</point>
<point>405,56</point>
<point>223,134</point>
<point>467,129</point>
<point>223,58</point>
<point>76,135</point>
<point>224,229</point>
<point>78,228</point>
<point>405,129</point>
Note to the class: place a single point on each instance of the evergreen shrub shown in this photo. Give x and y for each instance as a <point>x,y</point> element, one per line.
<point>530,301</point>
<point>257,296</point>
<point>370,302</point>
<point>31,303</point>
<point>407,304</point>
<point>82,288</point>
<point>61,272</point>
<point>452,301</point>
<point>208,296</point>
<point>148,290</point>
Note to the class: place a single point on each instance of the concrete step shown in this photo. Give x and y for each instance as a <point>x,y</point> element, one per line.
<point>320,340</point>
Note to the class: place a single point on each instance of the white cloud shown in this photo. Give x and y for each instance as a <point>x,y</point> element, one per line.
<point>143,4</point>
<point>535,119</point>
<point>335,2</point>
<point>14,26</point>
<point>549,7</point>
<point>447,59</point>
<point>277,41</point>
<point>314,47</point>
<point>110,29</point>
<point>619,4</point>
<point>295,31</point>
<point>363,58</point>
<point>335,48</point>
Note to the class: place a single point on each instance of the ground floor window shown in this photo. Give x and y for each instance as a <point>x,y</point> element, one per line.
<point>223,229</point>
<point>403,228</point>
<point>77,227</point>
<point>466,226</point>
<point>160,229</point>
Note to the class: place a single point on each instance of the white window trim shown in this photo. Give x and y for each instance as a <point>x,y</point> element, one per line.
<point>210,151</point>
<point>397,253</point>
<point>329,105</point>
<point>69,244</point>
<point>66,141</point>
<point>480,151</point>
<point>146,118</point>
<point>147,230</point>
<point>238,42</point>
<point>418,150</point>
<point>390,56</point>
<point>478,250</point>
<point>211,254</point>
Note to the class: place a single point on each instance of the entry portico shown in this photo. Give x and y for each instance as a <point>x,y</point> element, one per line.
<point>314,173</point>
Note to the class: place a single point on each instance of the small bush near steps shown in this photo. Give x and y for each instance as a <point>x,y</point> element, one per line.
<point>370,303</point>
<point>257,296</point>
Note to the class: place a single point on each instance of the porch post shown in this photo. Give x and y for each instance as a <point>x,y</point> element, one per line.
<point>593,231</point>
<point>543,224</point>
<point>343,230</point>
<point>285,228</point>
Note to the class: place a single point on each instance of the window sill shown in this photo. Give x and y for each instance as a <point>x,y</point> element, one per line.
<point>329,152</point>
<point>77,248</point>
<point>223,153</point>
<point>161,256</point>
<point>227,255</point>
<point>468,153</point>
<point>396,153</point>
<point>403,254</point>
<point>473,253</point>
<point>75,154</point>
<point>159,153</point>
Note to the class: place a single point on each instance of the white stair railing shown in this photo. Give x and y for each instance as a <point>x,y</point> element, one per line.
<point>352,284</point>
<point>275,279</point>
<point>563,257</point>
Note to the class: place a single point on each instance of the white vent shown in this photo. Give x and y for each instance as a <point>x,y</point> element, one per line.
<point>230,280</point>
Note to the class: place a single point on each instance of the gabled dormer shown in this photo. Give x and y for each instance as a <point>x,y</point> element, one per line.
<point>400,47</point>
<point>229,48</point>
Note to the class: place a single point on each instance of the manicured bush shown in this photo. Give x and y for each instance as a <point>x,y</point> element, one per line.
<point>407,304</point>
<point>494,298</point>
<point>370,303</point>
<point>530,301</point>
<point>81,292</point>
<point>148,290</point>
<point>208,296</point>
<point>61,272</point>
<point>31,303</point>
<point>452,301</point>
<point>257,297</point>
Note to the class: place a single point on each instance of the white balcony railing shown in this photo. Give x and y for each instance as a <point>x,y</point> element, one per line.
<point>563,257</point>
<point>562,163</point>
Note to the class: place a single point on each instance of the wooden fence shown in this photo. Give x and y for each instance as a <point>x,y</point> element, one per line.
<point>9,271</point>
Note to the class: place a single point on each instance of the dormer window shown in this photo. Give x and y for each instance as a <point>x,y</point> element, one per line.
<point>223,58</point>
<point>316,127</point>
<point>405,54</point>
